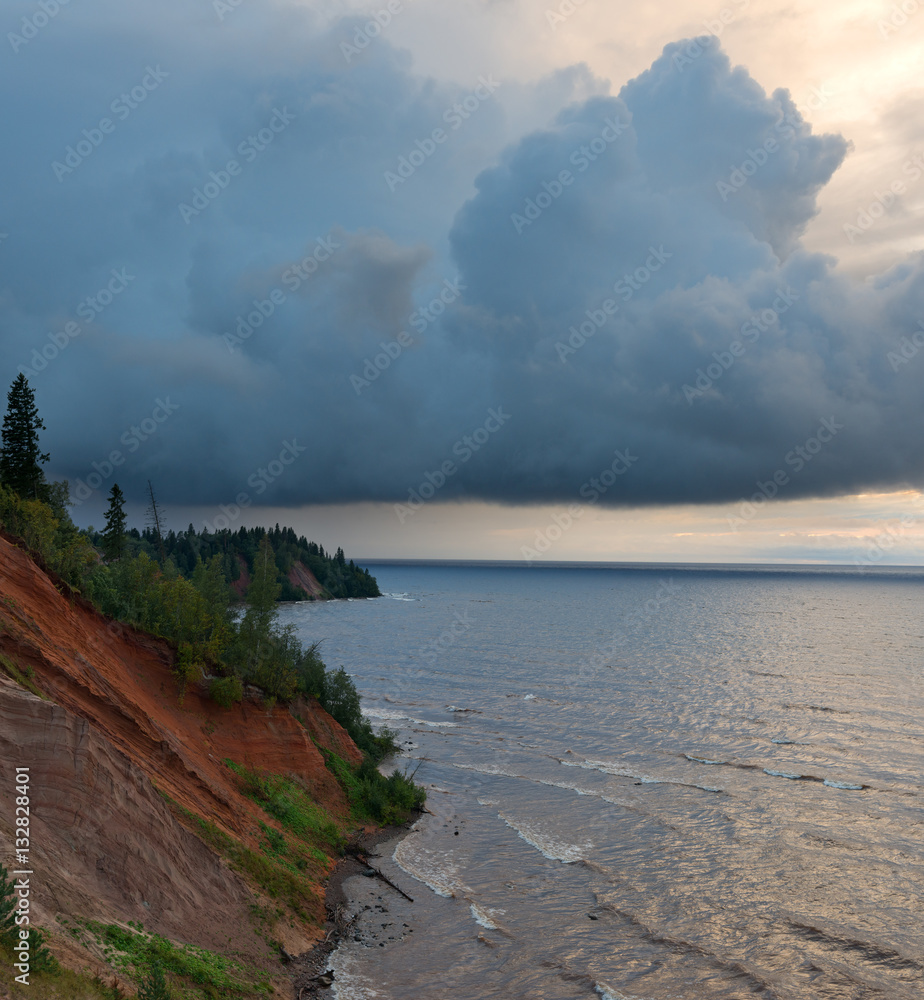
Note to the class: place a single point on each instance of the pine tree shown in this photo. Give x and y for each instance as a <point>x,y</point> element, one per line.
<point>114,532</point>
<point>20,457</point>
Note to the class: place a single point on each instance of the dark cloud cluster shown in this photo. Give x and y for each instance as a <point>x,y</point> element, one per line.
<point>629,275</point>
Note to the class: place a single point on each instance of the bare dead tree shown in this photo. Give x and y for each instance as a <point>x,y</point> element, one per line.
<point>155,519</point>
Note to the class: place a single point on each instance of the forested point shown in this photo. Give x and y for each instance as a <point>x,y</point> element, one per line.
<point>183,586</point>
<point>237,551</point>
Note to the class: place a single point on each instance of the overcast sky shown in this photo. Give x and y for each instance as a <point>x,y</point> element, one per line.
<point>480,278</point>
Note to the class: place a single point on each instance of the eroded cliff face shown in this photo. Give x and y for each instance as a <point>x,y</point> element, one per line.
<point>107,742</point>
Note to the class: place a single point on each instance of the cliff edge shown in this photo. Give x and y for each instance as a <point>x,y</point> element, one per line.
<point>136,816</point>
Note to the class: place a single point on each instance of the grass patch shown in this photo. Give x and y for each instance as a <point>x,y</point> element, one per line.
<point>192,973</point>
<point>292,806</point>
<point>289,875</point>
<point>64,985</point>
<point>25,678</point>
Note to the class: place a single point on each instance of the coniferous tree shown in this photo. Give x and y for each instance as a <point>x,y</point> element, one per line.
<point>20,457</point>
<point>114,532</point>
<point>154,985</point>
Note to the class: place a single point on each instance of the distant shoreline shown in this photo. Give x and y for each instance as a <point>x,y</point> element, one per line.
<point>846,569</point>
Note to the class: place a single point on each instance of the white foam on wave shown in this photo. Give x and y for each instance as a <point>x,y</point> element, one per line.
<point>607,767</point>
<point>436,870</point>
<point>847,785</point>
<point>546,844</point>
<point>400,597</point>
<point>703,760</point>
<point>484,916</point>
<point>348,983</point>
<point>486,769</point>
<point>784,774</point>
<point>609,993</point>
<point>389,715</point>
<point>529,697</point>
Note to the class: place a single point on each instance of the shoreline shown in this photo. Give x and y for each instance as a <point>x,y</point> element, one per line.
<point>308,968</point>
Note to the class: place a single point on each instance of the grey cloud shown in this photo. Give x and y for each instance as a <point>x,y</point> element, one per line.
<point>652,195</point>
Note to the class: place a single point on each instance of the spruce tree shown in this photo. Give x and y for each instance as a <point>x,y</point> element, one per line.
<point>20,457</point>
<point>114,532</point>
<point>153,986</point>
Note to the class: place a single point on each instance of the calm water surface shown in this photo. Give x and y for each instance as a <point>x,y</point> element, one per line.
<point>653,784</point>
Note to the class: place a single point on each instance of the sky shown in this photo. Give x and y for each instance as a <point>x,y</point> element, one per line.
<point>501,279</point>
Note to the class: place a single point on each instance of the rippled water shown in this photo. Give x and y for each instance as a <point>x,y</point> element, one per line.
<point>644,783</point>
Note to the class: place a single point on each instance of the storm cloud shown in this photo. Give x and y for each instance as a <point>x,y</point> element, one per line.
<point>226,236</point>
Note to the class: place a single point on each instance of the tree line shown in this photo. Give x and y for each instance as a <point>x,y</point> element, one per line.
<point>178,585</point>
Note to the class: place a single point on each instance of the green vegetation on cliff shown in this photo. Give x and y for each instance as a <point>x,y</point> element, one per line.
<point>180,587</point>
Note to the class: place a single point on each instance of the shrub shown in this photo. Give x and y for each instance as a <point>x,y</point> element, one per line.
<point>372,795</point>
<point>226,691</point>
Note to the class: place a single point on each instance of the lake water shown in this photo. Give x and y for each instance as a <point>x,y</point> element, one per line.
<point>650,783</point>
